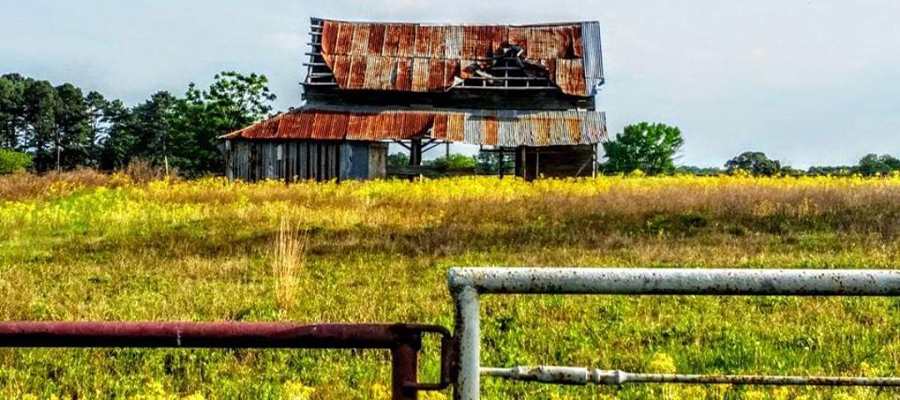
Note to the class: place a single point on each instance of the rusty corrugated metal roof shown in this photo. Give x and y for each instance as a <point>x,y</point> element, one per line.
<point>507,128</point>
<point>423,58</point>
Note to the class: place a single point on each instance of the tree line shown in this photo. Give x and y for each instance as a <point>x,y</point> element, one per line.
<point>653,149</point>
<point>60,127</point>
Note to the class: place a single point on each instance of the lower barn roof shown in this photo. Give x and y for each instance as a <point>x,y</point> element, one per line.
<point>507,128</point>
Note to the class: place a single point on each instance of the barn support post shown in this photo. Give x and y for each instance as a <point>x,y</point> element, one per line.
<point>500,163</point>
<point>415,155</point>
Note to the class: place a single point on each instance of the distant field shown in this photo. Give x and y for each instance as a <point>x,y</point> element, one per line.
<point>93,247</point>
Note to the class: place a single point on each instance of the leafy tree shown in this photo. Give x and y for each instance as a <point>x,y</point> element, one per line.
<point>150,126</point>
<point>39,105</point>
<point>754,162</point>
<point>831,170</point>
<point>693,170</point>
<point>13,161</point>
<point>644,146</point>
<point>398,160</point>
<point>232,102</point>
<point>98,126</point>
<point>12,113</point>
<point>873,164</point>
<point>453,162</point>
<point>117,150</point>
<point>71,133</point>
<point>487,163</point>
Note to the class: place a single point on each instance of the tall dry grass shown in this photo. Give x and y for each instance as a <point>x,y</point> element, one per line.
<point>25,186</point>
<point>288,262</point>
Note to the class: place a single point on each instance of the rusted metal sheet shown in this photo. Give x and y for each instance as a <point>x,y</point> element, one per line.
<point>376,39</point>
<point>340,66</point>
<point>507,128</point>
<point>358,68</point>
<point>593,60</point>
<point>404,75</point>
<point>360,43</point>
<point>344,42</point>
<point>420,69</point>
<point>459,46</point>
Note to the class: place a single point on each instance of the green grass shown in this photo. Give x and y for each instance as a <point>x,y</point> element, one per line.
<point>202,251</point>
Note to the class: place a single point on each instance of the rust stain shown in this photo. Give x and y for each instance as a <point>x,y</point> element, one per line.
<point>407,42</point>
<point>436,74</point>
<point>420,72</point>
<point>376,39</point>
<point>423,41</point>
<point>358,68</point>
<point>329,37</point>
<point>360,43</point>
<point>344,38</point>
<point>491,128</point>
<point>404,75</point>
<point>341,69</point>
<point>451,70</point>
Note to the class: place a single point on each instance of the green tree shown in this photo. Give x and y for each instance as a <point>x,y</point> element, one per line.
<point>453,162</point>
<point>71,132</point>
<point>150,126</point>
<point>873,164</point>
<point>12,161</point>
<point>39,106</point>
<point>487,163</point>
<point>232,102</point>
<point>118,147</point>
<point>644,146</point>
<point>98,127</point>
<point>12,111</point>
<point>398,160</point>
<point>754,162</point>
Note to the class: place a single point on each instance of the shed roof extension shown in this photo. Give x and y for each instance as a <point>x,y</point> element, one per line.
<point>432,58</point>
<point>506,128</point>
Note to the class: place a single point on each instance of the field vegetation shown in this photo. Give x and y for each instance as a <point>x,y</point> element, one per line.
<point>86,246</point>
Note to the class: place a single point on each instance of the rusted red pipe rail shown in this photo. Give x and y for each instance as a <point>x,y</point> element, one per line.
<point>404,340</point>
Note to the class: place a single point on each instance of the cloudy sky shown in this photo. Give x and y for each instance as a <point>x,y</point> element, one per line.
<point>809,82</point>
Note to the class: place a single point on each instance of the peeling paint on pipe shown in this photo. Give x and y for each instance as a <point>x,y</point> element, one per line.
<point>584,376</point>
<point>649,281</point>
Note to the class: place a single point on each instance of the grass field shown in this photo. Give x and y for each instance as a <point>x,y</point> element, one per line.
<point>93,247</point>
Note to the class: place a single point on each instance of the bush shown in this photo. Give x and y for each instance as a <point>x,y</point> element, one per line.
<point>13,161</point>
<point>454,162</point>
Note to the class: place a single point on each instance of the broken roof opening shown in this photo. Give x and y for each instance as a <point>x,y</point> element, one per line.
<point>435,58</point>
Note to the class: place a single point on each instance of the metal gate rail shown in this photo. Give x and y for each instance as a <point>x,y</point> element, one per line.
<point>466,284</point>
<point>403,340</point>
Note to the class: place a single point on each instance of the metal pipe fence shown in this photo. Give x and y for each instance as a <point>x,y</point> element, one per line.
<point>403,340</point>
<point>466,284</point>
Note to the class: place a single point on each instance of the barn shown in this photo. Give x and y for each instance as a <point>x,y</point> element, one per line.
<point>524,92</point>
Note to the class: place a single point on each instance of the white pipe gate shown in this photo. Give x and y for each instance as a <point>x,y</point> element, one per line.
<point>466,284</point>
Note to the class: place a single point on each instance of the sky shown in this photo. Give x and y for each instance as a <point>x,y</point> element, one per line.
<point>808,82</point>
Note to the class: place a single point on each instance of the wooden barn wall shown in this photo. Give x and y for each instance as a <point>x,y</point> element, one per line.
<point>556,161</point>
<point>303,160</point>
<point>378,153</point>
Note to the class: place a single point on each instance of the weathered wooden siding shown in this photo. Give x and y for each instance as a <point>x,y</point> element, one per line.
<point>293,160</point>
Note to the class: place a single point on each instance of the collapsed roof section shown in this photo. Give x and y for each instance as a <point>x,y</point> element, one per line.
<point>437,58</point>
<point>504,128</point>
